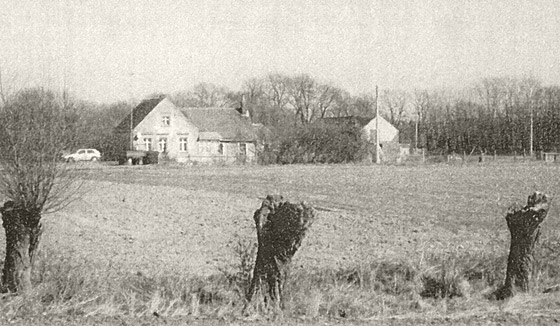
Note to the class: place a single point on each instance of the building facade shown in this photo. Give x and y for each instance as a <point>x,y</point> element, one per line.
<point>189,135</point>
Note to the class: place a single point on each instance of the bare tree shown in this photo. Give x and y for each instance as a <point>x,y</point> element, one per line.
<point>301,94</point>
<point>363,105</point>
<point>421,104</point>
<point>329,98</point>
<point>276,93</point>
<point>34,130</point>
<point>395,102</point>
<point>203,95</point>
<point>7,84</point>
<point>277,90</point>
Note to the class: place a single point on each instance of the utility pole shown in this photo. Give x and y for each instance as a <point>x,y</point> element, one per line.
<point>131,127</point>
<point>531,138</point>
<point>377,147</point>
<point>530,103</point>
<point>131,75</point>
<point>416,131</point>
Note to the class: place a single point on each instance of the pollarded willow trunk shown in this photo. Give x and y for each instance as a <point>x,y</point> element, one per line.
<point>524,225</point>
<point>281,227</point>
<point>23,232</point>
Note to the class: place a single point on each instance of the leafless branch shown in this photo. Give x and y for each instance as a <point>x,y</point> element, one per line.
<point>34,132</point>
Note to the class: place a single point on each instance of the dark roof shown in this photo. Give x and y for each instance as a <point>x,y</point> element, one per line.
<point>138,114</point>
<point>229,123</point>
<point>357,121</point>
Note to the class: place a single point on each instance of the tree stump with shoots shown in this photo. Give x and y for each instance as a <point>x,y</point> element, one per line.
<point>23,231</point>
<point>281,227</point>
<point>524,224</point>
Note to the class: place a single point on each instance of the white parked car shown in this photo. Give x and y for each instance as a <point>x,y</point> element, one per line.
<point>88,154</point>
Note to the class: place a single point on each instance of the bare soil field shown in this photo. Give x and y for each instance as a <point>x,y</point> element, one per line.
<point>186,217</point>
<point>155,221</point>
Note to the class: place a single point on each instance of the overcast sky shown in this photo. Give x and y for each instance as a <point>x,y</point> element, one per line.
<point>111,50</point>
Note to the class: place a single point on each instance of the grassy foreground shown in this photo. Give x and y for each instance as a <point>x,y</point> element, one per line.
<point>398,245</point>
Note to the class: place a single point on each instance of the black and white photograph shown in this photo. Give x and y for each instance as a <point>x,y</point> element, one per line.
<point>279,162</point>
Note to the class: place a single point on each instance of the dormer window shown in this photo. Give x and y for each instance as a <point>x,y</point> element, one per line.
<point>165,121</point>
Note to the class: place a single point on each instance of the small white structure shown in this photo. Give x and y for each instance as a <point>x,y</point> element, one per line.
<point>387,132</point>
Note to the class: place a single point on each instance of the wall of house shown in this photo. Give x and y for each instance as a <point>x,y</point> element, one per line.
<point>179,127</point>
<point>387,133</point>
<point>233,150</point>
<point>209,152</point>
<point>203,151</point>
<point>388,138</point>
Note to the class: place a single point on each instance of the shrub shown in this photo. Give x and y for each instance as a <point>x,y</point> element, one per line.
<point>151,157</point>
<point>322,143</point>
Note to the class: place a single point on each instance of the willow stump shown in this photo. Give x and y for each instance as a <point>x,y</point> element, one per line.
<point>524,226</point>
<point>23,231</point>
<point>281,227</point>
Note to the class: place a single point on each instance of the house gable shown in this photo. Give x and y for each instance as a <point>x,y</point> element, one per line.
<point>356,121</point>
<point>165,128</point>
<point>387,132</point>
<point>139,113</point>
<point>175,122</point>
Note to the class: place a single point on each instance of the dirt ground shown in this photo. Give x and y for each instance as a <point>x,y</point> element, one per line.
<point>151,220</point>
<point>185,220</point>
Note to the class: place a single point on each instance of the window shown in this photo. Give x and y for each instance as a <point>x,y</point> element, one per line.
<point>81,151</point>
<point>148,144</point>
<point>242,148</point>
<point>162,144</point>
<point>165,121</point>
<point>183,144</point>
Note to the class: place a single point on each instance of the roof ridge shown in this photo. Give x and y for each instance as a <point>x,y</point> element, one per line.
<point>139,112</point>
<point>208,108</point>
<point>227,122</point>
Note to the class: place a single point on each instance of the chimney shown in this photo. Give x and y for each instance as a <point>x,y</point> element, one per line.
<point>241,109</point>
<point>246,114</point>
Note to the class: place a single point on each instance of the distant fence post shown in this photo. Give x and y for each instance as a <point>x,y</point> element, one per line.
<point>423,156</point>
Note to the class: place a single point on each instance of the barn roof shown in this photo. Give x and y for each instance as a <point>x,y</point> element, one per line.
<point>209,135</point>
<point>355,120</point>
<point>228,123</point>
<point>139,113</point>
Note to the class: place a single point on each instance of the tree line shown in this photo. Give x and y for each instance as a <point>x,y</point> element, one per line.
<point>492,115</point>
<point>496,115</point>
